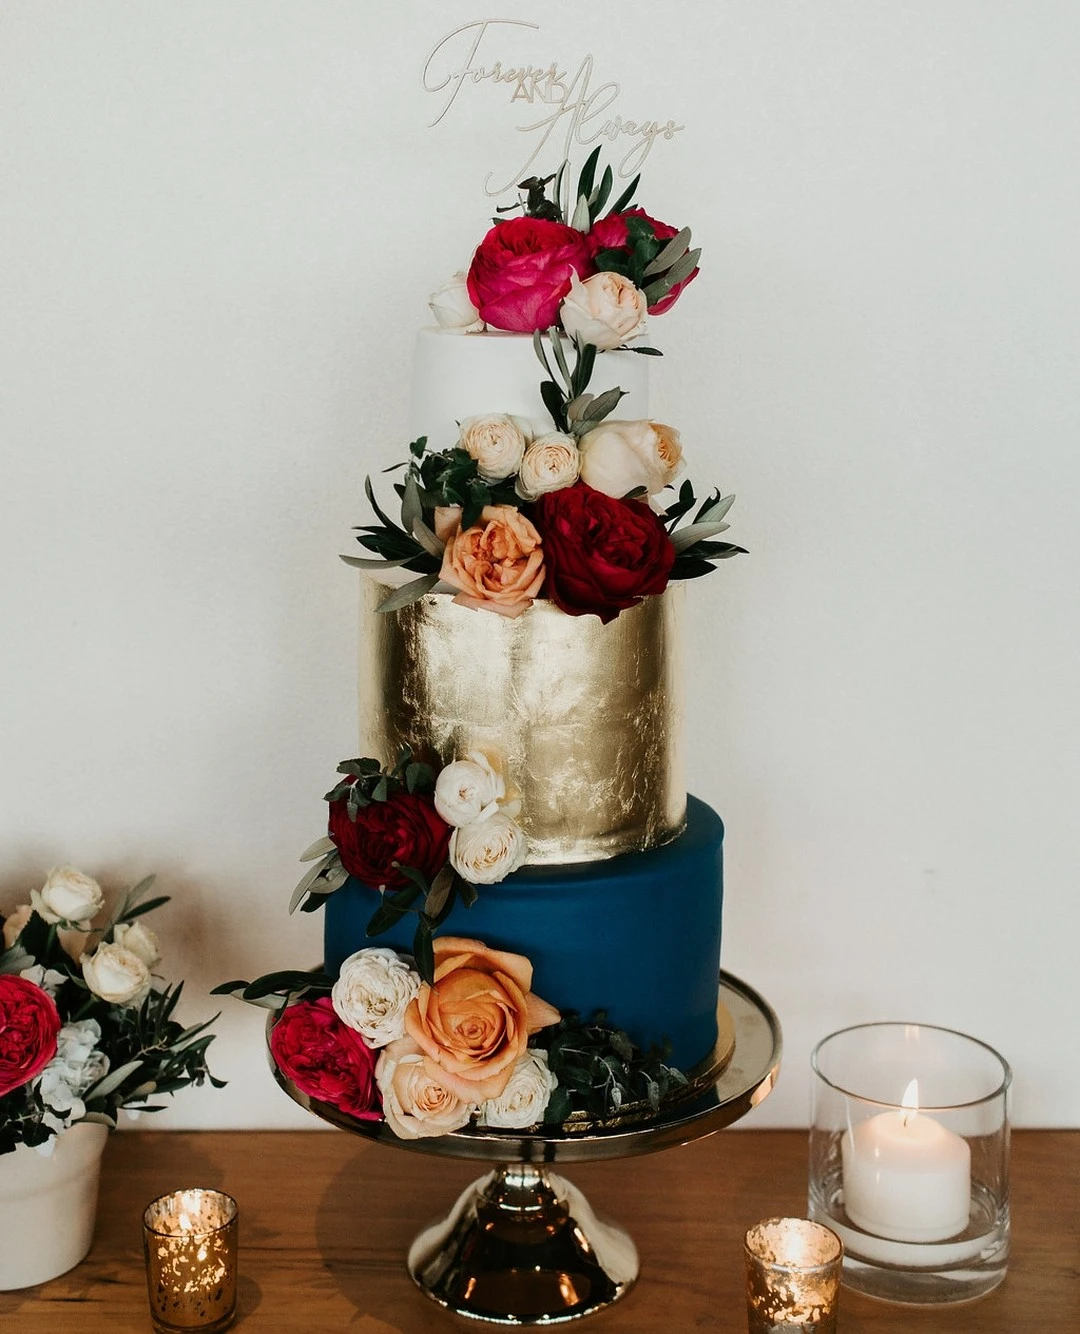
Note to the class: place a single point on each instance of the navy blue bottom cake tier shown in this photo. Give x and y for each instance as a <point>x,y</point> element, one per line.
<point>637,936</point>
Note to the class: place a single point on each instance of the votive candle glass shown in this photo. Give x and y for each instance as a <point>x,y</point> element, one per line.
<point>792,1277</point>
<point>190,1243</point>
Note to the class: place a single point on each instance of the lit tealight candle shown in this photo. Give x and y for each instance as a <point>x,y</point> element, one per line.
<point>906,1176</point>
<point>189,1238</point>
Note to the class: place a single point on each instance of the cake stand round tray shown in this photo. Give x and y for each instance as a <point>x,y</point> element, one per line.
<point>522,1246</point>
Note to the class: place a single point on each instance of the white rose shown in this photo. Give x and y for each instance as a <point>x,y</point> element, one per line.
<point>68,896</point>
<point>117,975</point>
<point>139,940</point>
<point>550,463</point>
<point>619,456</point>
<point>488,849</point>
<point>415,1104</point>
<point>465,788</point>
<point>604,310</point>
<point>497,442</point>
<point>372,993</point>
<point>523,1101</point>
<point>453,309</point>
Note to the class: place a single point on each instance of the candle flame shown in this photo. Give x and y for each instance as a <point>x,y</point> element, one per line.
<point>186,1224</point>
<point>910,1102</point>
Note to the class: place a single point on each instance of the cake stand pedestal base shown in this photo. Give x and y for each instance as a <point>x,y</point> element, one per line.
<point>523,1247</point>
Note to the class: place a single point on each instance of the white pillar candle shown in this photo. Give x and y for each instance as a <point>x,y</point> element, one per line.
<point>906,1176</point>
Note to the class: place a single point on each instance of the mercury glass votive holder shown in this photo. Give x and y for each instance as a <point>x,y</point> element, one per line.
<point>190,1243</point>
<point>792,1277</point>
<point>909,1160</point>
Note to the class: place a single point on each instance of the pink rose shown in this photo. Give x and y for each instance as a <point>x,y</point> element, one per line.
<point>610,234</point>
<point>521,271</point>
<point>325,1058</point>
<point>29,1023</point>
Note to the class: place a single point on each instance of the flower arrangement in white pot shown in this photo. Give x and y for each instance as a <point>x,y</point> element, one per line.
<point>86,1029</point>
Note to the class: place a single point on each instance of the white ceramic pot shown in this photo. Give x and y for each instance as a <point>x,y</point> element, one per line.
<point>48,1206</point>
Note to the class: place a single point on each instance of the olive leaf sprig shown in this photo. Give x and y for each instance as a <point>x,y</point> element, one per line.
<point>600,1071</point>
<point>695,552</point>
<point>591,196</point>
<point>573,411</point>
<point>653,265</point>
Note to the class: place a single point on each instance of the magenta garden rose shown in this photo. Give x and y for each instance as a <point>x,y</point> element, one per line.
<point>326,1059</point>
<point>602,554</point>
<point>610,233</point>
<point>29,1024</point>
<point>522,270</point>
<point>405,828</point>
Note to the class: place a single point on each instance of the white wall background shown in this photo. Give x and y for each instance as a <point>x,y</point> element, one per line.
<point>218,226</point>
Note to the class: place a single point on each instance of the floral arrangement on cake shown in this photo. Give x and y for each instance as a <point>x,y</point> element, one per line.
<point>86,1027</point>
<point>474,1045</point>
<point>510,511</point>
<point>421,839</point>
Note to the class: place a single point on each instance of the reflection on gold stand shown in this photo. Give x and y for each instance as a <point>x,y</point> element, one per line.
<point>522,1246</point>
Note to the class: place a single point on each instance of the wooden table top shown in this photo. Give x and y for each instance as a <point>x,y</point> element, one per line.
<point>326,1219</point>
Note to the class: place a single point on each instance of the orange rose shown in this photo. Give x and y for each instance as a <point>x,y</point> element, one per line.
<point>498,564</point>
<point>473,1024</point>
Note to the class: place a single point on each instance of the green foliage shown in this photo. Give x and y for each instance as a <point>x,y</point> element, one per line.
<point>695,552</point>
<point>573,411</point>
<point>601,1072</point>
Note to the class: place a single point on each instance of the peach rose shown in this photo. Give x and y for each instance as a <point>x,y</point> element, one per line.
<point>416,1105</point>
<point>619,456</point>
<point>473,1024</point>
<point>605,310</point>
<point>497,565</point>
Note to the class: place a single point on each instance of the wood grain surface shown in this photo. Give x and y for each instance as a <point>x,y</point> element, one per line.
<point>326,1220</point>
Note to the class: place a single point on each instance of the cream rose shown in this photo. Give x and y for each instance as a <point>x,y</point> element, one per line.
<point>68,896</point>
<point>415,1103</point>
<point>605,310</point>
<point>550,463</point>
<point>373,989</point>
<point>619,456</point>
<point>453,311</point>
<point>497,442</point>
<point>473,1022</point>
<point>117,975</point>
<point>523,1101</point>
<point>488,849</point>
<point>498,564</point>
<point>465,788</point>
<point>140,940</point>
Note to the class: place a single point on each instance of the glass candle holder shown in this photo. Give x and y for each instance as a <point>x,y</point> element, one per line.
<point>909,1160</point>
<point>792,1277</point>
<point>189,1240</point>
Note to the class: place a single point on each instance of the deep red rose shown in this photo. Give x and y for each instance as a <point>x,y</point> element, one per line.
<point>29,1023</point>
<point>601,554</point>
<point>326,1059</point>
<point>610,234</point>
<point>521,271</point>
<point>405,828</point>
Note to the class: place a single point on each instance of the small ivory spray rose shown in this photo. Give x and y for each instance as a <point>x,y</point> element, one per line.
<point>487,850</point>
<point>117,975</point>
<point>617,457</point>
<point>465,788</point>
<point>453,310</point>
<point>373,990</point>
<point>605,310</point>
<point>415,1103</point>
<point>497,442</point>
<point>68,896</point>
<point>551,462</point>
<point>523,1102</point>
<point>140,940</point>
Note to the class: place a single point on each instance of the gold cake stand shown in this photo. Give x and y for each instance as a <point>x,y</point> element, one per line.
<point>522,1246</point>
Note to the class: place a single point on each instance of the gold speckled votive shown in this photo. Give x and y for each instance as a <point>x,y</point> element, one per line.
<point>189,1240</point>
<point>792,1277</point>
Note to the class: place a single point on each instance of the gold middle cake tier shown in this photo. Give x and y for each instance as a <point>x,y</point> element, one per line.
<point>583,719</point>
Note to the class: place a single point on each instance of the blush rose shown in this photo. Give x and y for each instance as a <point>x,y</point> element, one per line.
<point>405,828</point>
<point>326,1059</point>
<point>522,270</point>
<point>473,1022</point>
<point>610,233</point>
<point>29,1024</point>
<point>601,554</point>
